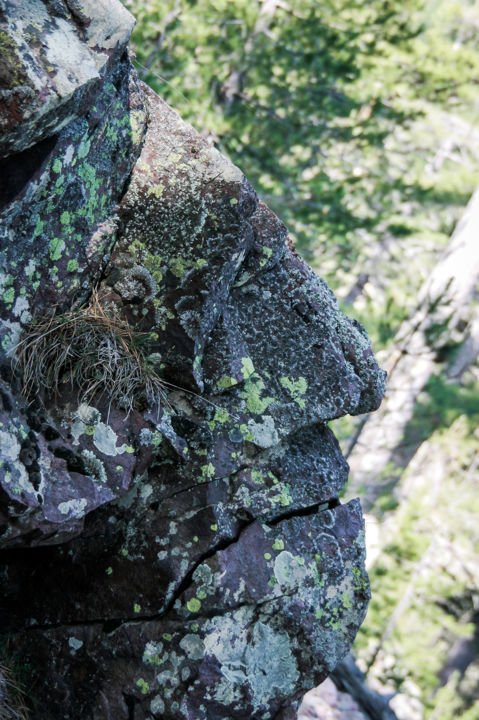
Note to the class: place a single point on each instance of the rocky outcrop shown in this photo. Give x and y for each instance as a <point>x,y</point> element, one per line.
<point>181,555</point>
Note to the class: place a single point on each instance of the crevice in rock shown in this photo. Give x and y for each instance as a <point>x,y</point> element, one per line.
<point>218,547</point>
<point>257,605</point>
<point>110,626</point>
<point>18,169</point>
<point>126,183</point>
<point>307,511</point>
<point>191,487</point>
<point>130,703</point>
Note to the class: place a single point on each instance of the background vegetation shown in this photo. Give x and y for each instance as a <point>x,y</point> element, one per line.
<point>357,123</point>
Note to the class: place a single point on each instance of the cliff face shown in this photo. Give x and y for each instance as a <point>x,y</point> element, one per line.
<point>173,546</point>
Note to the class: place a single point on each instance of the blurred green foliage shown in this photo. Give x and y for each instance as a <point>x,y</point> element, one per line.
<point>423,619</point>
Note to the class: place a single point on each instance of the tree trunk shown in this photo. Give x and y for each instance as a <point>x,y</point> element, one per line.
<point>348,678</point>
<point>378,453</point>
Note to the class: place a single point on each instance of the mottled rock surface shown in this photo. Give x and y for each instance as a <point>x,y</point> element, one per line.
<point>189,559</point>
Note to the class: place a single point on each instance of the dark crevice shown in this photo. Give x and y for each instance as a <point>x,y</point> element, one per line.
<point>224,610</point>
<point>6,401</point>
<point>74,461</point>
<point>111,625</point>
<point>127,181</point>
<point>171,515</point>
<point>17,170</point>
<point>130,703</point>
<point>227,542</point>
<point>139,149</point>
<point>307,511</point>
<point>54,626</point>
<point>218,547</point>
<point>303,310</point>
<point>194,487</point>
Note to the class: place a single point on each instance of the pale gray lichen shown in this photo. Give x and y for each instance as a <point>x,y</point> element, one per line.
<point>94,466</point>
<point>75,644</point>
<point>193,646</point>
<point>264,433</point>
<point>73,508</point>
<point>288,572</point>
<point>105,439</point>
<point>270,664</point>
<point>136,284</point>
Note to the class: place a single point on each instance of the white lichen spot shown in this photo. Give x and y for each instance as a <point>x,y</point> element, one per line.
<point>145,492</point>
<point>21,309</point>
<point>85,416</point>
<point>87,420</point>
<point>10,333</point>
<point>67,158</point>
<point>264,433</point>
<point>261,660</point>
<point>9,447</point>
<point>288,571</point>
<point>271,667</point>
<point>75,644</point>
<point>193,646</point>
<point>94,466</point>
<point>30,267</point>
<point>151,653</point>
<point>167,678</point>
<point>157,706</point>
<point>74,508</point>
<point>105,438</point>
<point>147,437</point>
<point>227,643</point>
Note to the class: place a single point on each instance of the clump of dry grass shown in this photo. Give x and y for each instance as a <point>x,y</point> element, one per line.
<point>93,349</point>
<point>12,703</point>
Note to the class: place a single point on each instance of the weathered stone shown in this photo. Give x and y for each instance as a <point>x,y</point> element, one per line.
<point>187,559</point>
<point>54,56</point>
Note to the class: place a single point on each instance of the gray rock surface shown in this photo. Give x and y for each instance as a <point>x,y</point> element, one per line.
<point>186,558</point>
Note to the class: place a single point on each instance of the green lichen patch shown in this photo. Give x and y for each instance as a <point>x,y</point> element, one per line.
<point>247,367</point>
<point>297,389</point>
<point>252,393</point>
<point>226,381</point>
<point>143,685</point>
<point>193,605</point>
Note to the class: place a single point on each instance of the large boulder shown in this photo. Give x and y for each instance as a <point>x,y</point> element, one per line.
<point>173,543</point>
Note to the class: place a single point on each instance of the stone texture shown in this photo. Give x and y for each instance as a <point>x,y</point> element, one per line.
<point>54,56</point>
<point>189,560</point>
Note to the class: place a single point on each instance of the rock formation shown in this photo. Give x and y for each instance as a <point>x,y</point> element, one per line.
<point>180,554</point>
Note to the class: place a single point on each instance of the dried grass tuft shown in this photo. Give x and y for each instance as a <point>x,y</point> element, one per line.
<point>93,349</point>
<point>12,702</point>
